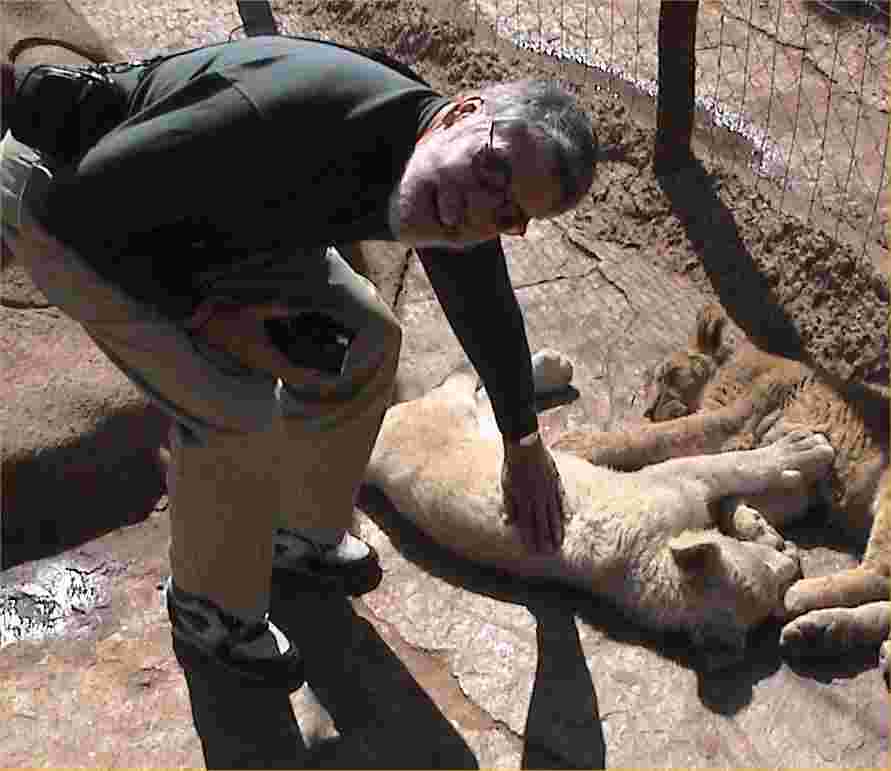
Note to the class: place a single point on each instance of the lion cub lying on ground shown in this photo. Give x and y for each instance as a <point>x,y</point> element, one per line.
<point>647,541</point>
<point>855,419</point>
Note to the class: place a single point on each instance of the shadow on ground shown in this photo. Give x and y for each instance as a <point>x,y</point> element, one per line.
<point>382,716</point>
<point>241,725</point>
<point>384,719</point>
<point>563,725</point>
<point>61,497</point>
<point>712,230</point>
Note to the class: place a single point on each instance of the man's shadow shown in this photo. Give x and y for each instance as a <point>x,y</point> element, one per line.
<point>563,726</point>
<point>240,725</point>
<point>743,290</point>
<point>113,468</point>
<point>383,718</point>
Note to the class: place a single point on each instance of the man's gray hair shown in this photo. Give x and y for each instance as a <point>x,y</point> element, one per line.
<point>549,110</point>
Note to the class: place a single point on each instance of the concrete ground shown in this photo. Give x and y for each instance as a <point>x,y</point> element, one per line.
<point>445,664</point>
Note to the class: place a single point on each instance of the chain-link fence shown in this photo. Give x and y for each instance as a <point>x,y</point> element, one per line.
<point>800,88</point>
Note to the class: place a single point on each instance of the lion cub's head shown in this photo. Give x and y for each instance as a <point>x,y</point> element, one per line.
<point>679,382</point>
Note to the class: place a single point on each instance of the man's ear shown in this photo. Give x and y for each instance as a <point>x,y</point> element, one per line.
<point>463,106</point>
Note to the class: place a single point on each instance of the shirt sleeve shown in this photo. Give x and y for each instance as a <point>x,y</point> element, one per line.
<point>474,289</point>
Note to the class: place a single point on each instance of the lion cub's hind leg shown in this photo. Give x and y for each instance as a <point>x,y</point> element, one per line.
<point>868,582</point>
<point>834,631</point>
<point>882,530</point>
<point>832,614</point>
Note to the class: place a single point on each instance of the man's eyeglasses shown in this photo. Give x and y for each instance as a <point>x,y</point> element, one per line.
<point>493,172</point>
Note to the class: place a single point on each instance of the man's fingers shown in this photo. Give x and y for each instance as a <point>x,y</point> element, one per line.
<point>534,501</point>
<point>556,521</point>
<point>515,517</point>
<point>527,525</point>
<point>530,529</point>
<point>550,526</point>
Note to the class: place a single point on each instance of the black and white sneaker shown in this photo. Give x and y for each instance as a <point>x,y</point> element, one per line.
<point>350,566</point>
<point>259,652</point>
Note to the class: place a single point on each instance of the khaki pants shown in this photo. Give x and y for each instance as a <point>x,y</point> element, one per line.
<point>248,451</point>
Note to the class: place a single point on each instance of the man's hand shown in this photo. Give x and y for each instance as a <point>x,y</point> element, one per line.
<point>533,493</point>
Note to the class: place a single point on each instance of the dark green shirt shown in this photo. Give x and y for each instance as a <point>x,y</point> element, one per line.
<point>274,143</point>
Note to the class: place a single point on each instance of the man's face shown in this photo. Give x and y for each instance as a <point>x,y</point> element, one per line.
<point>473,181</point>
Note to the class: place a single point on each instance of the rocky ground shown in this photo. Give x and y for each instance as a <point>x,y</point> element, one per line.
<point>444,665</point>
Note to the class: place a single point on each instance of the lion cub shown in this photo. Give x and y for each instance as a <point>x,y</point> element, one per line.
<point>710,375</point>
<point>646,541</point>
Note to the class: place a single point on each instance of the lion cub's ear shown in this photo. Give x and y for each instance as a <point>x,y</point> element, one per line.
<point>693,551</point>
<point>710,323</point>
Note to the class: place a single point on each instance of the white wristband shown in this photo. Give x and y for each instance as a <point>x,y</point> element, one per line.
<point>528,440</point>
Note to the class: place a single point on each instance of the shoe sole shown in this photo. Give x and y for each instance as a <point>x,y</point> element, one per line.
<point>353,579</point>
<point>353,582</point>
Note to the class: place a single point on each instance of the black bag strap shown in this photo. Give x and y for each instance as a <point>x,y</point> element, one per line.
<point>257,17</point>
<point>64,111</point>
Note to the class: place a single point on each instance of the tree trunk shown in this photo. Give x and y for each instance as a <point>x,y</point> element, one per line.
<point>677,86</point>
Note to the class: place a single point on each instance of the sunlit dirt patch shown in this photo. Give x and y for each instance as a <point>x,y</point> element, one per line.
<point>46,602</point>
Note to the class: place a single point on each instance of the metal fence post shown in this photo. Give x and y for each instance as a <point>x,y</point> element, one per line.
<point>677,85</point>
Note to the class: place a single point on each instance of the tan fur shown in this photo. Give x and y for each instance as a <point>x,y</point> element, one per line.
<point>707,377</point>
<point>646,540</point>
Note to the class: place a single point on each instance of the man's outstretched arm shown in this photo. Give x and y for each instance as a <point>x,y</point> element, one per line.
<point>473,287</point>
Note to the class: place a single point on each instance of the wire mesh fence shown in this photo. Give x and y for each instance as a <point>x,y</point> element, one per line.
<point>803,83</point>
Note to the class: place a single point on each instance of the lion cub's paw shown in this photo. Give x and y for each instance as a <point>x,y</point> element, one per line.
<point>551,370</point>
<point>802,455</point>
<point>849,588</point>
<point>834,631</point>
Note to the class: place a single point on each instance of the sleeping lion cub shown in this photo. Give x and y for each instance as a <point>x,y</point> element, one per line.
<point>710,375</point>
<point>647,540</point>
